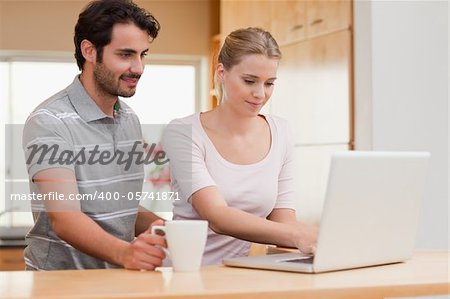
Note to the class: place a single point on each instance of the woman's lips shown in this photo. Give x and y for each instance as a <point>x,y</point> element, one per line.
<point>254,105</point>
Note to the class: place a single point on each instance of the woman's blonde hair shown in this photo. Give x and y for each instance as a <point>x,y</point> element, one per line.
<point>240,43</point>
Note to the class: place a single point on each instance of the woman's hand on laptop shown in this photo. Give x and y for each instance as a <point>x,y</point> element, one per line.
<point>306,238</point>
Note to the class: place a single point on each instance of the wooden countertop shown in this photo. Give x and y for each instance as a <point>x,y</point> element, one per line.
<point>425,274</point>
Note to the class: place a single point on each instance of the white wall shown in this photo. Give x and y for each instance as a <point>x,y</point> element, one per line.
<point>401,94</point>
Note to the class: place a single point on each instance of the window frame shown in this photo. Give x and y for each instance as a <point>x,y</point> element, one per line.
<point>201,94</point>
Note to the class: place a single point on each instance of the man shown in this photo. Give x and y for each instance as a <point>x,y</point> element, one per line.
<point>71,142</point>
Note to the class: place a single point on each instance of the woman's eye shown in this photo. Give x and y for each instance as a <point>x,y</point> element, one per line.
<point>270,84</point>
<point>249,81</point>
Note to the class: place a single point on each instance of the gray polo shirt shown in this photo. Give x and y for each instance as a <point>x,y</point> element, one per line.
<point>69,130</point>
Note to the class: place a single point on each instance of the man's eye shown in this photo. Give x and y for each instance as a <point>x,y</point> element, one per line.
<point>144,55</point>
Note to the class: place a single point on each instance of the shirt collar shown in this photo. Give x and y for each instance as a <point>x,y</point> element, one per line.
<point>84,105</point>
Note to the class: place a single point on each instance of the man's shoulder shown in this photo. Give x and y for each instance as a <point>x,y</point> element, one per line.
<point>53,110</point>
<point>56,104</point>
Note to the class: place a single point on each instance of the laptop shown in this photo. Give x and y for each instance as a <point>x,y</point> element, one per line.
<point>369,218</point>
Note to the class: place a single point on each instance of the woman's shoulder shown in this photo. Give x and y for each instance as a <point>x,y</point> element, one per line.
<point>281,133</point>
<point>186,120</point>
<point>278,122</point>
<point>183,131</point>
<point>187,127</point>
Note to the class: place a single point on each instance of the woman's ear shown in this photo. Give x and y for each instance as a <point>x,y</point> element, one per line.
<point>88,50</point>
<point>220,72</point>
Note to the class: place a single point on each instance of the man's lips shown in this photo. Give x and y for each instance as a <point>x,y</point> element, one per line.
<point>130,80</point>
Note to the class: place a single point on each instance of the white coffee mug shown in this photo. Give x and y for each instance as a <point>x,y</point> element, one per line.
<point>186,242</point>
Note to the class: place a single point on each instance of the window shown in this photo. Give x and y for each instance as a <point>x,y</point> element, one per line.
<point>164,92</point>
<point>169,88</point>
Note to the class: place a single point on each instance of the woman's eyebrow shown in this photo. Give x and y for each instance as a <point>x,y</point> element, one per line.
<point>256,77</point>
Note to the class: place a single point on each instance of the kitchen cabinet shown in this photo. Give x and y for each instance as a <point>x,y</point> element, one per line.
<point>314,86</point>
<point>310,180</point>
<point>313,89</point>
<point>11,259</point>
<point>241,14</point>
<point>213,57</point>
<point>288,21</point>
<point>327,16</point>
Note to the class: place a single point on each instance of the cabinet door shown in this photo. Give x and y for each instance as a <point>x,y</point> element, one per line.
<point>328,16</point>
<point>213,57</point>
<point>312,165</point>
<point>288,21</point>
<point>313,89</point>
<point>237,14</point>
<point>11,259</point>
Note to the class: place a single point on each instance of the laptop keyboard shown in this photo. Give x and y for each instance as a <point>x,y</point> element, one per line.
<point>308,260</point>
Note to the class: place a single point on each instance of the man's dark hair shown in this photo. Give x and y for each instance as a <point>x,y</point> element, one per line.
<point>96,21</point>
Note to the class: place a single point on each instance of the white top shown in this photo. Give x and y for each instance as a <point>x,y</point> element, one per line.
<point>255,188</point>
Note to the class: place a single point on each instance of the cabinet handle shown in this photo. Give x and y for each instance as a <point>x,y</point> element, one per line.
<point>297,27</point>
<point>315,22</point>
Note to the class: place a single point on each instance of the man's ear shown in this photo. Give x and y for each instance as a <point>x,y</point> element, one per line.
<point>88,50</point>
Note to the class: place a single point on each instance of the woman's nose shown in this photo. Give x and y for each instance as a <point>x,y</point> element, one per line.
<point>258,92</point>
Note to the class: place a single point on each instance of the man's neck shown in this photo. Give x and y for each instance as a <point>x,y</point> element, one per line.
<point>104,102</point>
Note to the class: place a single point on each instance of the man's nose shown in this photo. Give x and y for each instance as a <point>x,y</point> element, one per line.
<point>137,66</point>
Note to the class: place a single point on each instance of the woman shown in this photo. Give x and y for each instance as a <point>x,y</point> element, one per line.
<point>232,165</point>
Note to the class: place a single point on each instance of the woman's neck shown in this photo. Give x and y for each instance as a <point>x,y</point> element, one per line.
<point>232,122</point>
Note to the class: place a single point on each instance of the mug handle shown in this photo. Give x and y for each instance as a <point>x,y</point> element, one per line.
<point>158,229</point>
